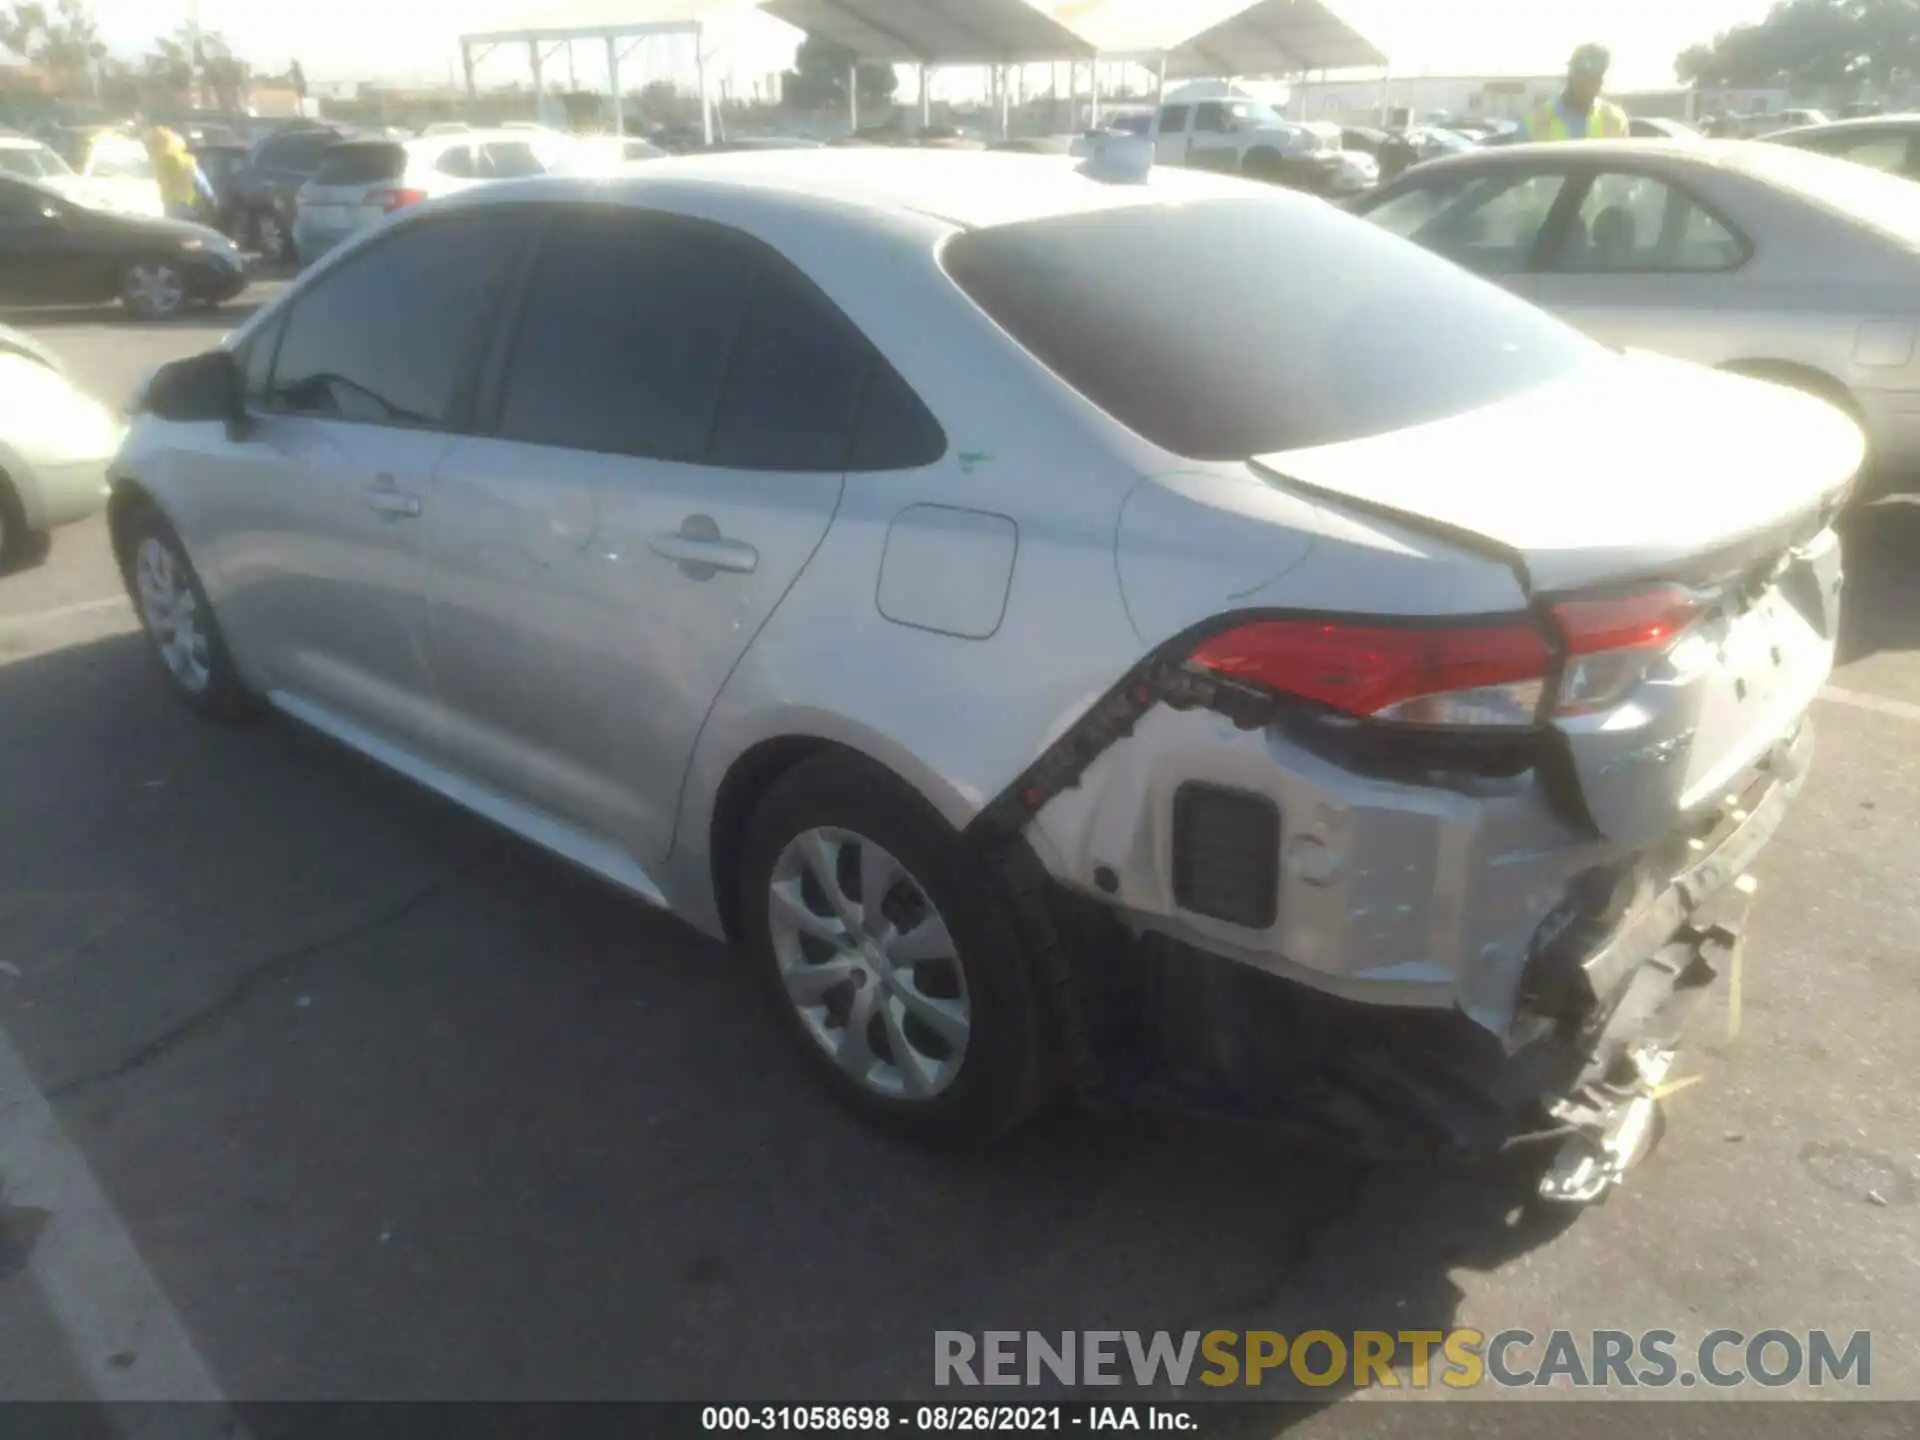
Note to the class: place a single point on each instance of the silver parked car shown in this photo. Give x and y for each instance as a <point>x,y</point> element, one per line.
<point>871,557</point>
<point>1752,257</point>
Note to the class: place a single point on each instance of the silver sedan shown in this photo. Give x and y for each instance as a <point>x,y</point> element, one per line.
<point>1757,258</point>
<point>871,558</point>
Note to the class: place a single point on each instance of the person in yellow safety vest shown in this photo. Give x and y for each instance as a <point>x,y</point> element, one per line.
<point>1578,112</point>
<point>173,168</point>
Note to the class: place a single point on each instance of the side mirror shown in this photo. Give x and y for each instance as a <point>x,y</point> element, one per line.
<point>201,387</point>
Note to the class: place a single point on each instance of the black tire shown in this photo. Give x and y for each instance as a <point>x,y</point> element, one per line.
<point>142,301</point>
<point>1002,1069</point>
<point>1264,164</point>
<point>271,237</point>
<point>222,697</point>
<point>20,548</point>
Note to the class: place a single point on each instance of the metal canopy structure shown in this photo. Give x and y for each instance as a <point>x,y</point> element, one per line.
<point>1219,38</point>
<point>1274,37</point>
<point>620,25</point>
<point>928,33</point>
<point>936,32</point>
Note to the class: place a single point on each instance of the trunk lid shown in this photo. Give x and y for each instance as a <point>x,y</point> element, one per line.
<point>1651,470</point>
<point>1643,467</point>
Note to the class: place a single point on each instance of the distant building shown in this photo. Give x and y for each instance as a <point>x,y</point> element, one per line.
<point>1373,99</point>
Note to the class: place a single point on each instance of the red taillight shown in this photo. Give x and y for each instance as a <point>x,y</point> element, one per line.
<point>1435,675</point>
<point>391,200</point>
<point>1613,643</point>
<point>1647,620</point>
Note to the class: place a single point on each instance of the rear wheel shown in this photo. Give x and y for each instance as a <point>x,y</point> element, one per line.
<point>892,963</point>
<point>154,289</point>
<point>1265,164</point>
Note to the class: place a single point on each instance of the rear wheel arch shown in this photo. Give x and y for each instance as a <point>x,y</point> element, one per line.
<point>749,779</point>
<point>129,499</point>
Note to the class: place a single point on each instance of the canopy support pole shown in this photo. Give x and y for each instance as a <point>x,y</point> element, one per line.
<point>539,83</point>
<point>853,98</point>
<point>613,83</point>
<point>926,95</point>
<point>700,75</point>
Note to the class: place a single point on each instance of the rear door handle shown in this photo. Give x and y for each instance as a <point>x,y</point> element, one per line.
<point>703,552</point>
<point>387,499</point>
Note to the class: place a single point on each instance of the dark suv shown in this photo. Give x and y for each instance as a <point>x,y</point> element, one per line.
<point>265,187</point>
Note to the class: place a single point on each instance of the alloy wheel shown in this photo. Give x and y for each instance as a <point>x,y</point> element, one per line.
<point>171,611</point>
<point>156,288</point>
<point>869,964</point>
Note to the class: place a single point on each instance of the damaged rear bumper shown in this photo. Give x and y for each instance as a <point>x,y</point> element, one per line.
<point>1608,998</point>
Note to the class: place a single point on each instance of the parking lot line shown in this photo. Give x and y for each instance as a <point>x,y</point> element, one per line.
<point>1878,704</point>
<point>62,612</point>
<point>125,1337</point>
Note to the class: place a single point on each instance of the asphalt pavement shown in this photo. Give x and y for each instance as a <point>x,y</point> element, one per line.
<point>362,1099</point>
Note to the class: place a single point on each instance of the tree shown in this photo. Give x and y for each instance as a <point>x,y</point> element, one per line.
<point>177,59</point>
<point>64,42</point>
<point>818,80</point>
<point>1803,43</point>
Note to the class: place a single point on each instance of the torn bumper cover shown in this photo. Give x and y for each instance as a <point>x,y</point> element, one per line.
<point>1612,986</point>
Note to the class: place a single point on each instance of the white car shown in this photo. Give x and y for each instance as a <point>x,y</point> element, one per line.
<point>112,181</point>
<point>55,445</point>
<point>116,173</point>
<point>867,556</point>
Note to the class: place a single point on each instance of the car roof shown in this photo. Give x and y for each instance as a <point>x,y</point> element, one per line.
<point>1705,152</point>
<point>1905,120</point>
<point>967,188</point>
<point>452,139</point>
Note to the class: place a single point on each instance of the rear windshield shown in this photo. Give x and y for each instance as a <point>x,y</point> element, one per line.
<point>1881,201</point>
<point>1225,329</point>
<point>361,165</point>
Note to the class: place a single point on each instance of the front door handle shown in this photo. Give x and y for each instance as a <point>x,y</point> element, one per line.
<point>699,546</point>
<point>387,499</point>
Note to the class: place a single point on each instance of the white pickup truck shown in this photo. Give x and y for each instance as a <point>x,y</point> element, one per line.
<point>1249,137</point>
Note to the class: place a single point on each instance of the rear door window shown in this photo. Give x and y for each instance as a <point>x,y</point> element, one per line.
<point>509,160</point>
<point>793,387</point>
<point>1293,324</point>
<point>386,337</point>
<point>625,332</point>
<point>1637,224</point>
<point>1881,150</point>
<point>457,161</point>
<point>1173,119</point>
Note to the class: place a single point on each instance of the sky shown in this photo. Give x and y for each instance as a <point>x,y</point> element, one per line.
<point>382,39</point>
